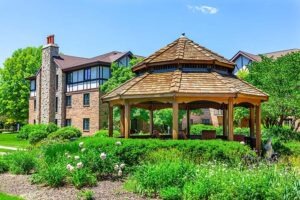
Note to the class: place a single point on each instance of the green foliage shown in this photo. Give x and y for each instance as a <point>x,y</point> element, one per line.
<point>239,114</point>
<point>242,131</point>
<point>196,129</point>
<point>4,196</point>
<point>163,118</point>
<point>21,162</point>
<point>152,179</point>
<point>170,193</point>
<point>104,133</point>
<point>83,177</point>
<point>29,128</point>
<point>37,135</point>
<point>14,89</point>
<point>3,165</point>
<point>281,133</point>
<point>280,79</point>
<point>66,133</point>
<point>86,194</point>
<point>51,127</point>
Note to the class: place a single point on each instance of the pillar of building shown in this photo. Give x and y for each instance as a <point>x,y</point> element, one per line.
<point>151,124</point>
<point>230,119</point>
<point>251,121</point>
<point>188,121</point>
<point>110,121</point>
<point>175,120</point>
<point>258,127</point>
<point>225,122</point>
<point>127,120</point>
<point>122,122</point>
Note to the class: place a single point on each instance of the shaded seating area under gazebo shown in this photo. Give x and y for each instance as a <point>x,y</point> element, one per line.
<point>184,75</point>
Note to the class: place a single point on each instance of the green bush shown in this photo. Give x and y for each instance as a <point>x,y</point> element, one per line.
<point>3,165</point>
<point>53,175</point>
<point>86,195</point>
<point>37,135</point>
<point>83,177</point>
<point>66,133</point>
<point>51,127</point>
<point>21,162</point>
<point>153,179</point>
<point>242,131</point>
<point>170,193</point>
<point>281,133</point>
<point>196,129</point>
<point>104,133</point>
<point>29,128</point>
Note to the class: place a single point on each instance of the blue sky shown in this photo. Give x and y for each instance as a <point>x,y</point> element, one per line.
<point>91,27</point>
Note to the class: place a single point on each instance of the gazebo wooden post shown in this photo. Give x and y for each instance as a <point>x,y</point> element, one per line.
<point>225,122</point>
<point>127,120</point>
<point>151,121</point>
<point>122,122</point>
<point>188,121</point>
<point>251,121</point>
<point>258,128</point>
<point>230,119</point>
<point>175,120</point>
<point>110,120</point>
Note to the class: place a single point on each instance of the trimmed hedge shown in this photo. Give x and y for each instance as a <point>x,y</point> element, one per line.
<point>66,133</point>
<point>104,133</point>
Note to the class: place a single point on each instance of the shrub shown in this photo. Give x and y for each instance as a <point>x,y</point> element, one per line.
<point>53,175</point>
<point>242,131</point>
<point>51,128</point>
<point>66,133</point>
<point>170,193</point>
<point>3,166</point>
<point>27,129</point>
<point>104,133</point>
<point>281,133</point>
<point>163,177</point>
<point>86,195</point>
<point>21,162</point>
<point>37,135</point>
<point>196,129</point>
<point>83,177</point>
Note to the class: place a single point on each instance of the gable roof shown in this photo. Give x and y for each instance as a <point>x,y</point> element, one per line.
<point>66,62</point>
<point>183,50</point>
<point>274,55</point>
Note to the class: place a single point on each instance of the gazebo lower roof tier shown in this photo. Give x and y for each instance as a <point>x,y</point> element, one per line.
<point>185,84</point>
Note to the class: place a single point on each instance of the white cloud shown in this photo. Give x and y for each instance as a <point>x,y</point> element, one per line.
<point>204,9</point>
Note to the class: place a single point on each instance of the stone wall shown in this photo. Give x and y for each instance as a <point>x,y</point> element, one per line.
<point>77,112</point>
<point>48,74</point>
<point>60,94</point>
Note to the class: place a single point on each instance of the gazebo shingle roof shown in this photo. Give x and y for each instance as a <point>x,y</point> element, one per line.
<point>184,50</point>
<point>168,83</point>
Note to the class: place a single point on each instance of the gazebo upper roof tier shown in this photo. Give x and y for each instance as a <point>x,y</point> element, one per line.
<point>179,83</point>
<point>183,51</point>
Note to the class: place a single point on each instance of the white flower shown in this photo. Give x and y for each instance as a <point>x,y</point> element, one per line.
<point>79,165</point>
<point>66,154</point>
<point>120,173</point>
<point>76,157</point>
<point>103,156</point>
<point>83,149</point>
<point>242,142</point>
<point>69,156</point>
<point>118,143</point>
<point>81,144</point>
<point>122,166</point>
<point>70,167</point>
<point>116,167</point>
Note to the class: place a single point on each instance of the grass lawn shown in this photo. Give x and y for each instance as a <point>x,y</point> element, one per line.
<point>4,196</point>
<point>11,140</point>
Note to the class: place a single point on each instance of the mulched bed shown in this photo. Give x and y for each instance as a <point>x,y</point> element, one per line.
<point>20,185</point>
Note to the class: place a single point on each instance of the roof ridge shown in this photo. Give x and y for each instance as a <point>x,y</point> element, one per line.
<point>279,51</point>
<point>176,79</point>
<point>230,86</point>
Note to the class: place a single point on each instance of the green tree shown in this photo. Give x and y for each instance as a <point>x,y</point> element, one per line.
<point>280,78</point>
<point>14,89</point>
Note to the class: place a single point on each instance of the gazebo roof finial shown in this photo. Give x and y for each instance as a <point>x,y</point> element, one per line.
<point>182,35</point>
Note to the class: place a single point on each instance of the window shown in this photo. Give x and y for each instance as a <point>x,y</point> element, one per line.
<point>55,121</point>
<point>105,73</point>
<point>86,99</point>
<point>68,122</point>
<point>69,101</point>
<point>32,85</point>
<point>34,105</point>
<point>34,122</point>
<point>87,74</point>
<point>69,78</point>
<point>56,82</point>
<point>205,121</point>
<point>86,124</point>
<point>56,104</point>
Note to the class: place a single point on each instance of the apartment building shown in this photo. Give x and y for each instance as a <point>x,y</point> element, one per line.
<point>65,90</point>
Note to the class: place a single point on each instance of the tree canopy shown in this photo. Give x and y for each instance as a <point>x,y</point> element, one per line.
<point>14,89</point>
<point>280,78</point>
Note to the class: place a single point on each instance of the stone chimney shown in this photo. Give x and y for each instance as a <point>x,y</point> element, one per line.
<point>47,75</point>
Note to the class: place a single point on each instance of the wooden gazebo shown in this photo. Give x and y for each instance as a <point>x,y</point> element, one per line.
<point>185,75</point>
